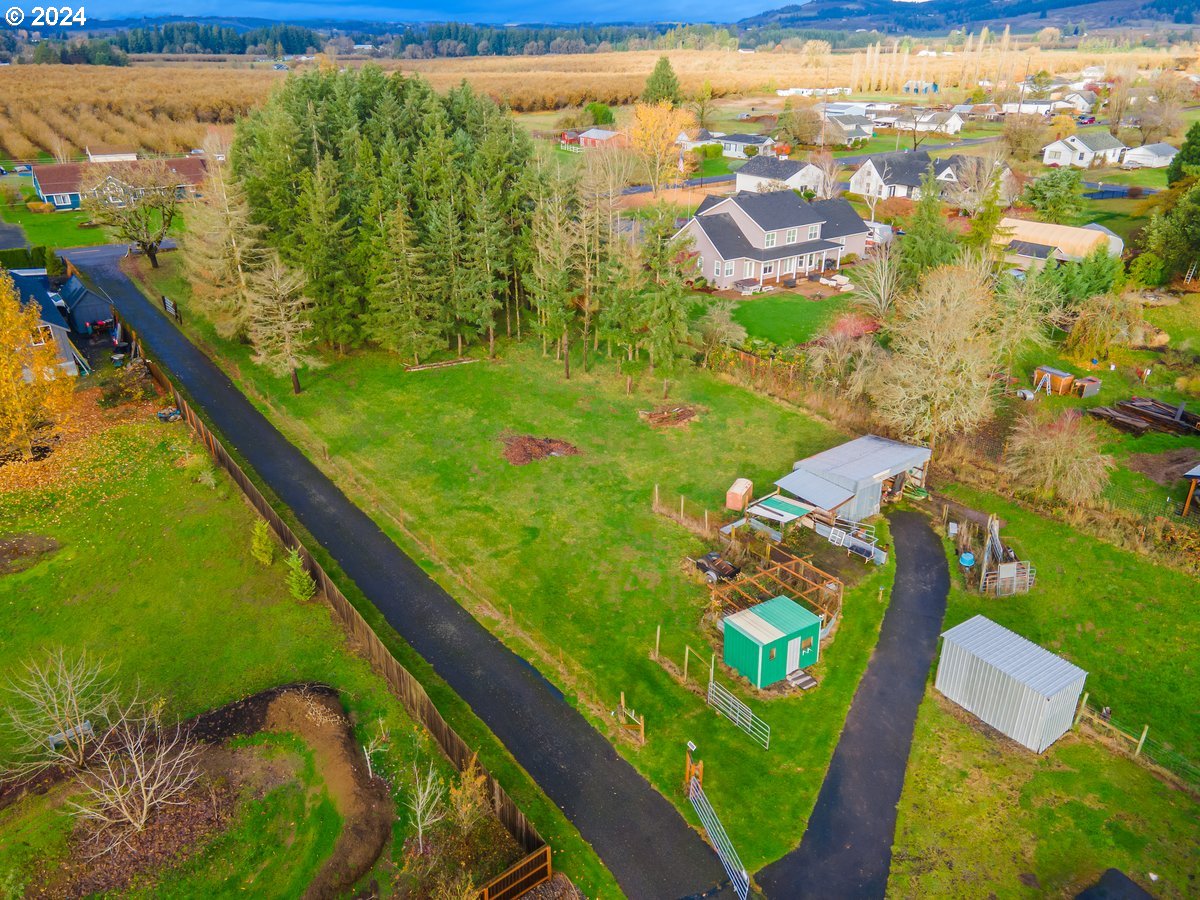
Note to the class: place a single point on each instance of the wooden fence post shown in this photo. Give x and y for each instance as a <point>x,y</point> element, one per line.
<point>681,507</point>
<point>1082,706</point>
<point>656,498</point>
<point>686,656</point>
<point>1141,741</point>
<point>657,640</point>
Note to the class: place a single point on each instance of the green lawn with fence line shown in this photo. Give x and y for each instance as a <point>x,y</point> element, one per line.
<point>153,576</point>
<point>980,816</point>
<point>563,558</point>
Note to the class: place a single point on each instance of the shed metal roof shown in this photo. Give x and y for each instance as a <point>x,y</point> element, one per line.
<point>864,460</point>
<point>772,620</point>
<point>1021,659</point>
<point>1192,473</point>
<point>821,492</point>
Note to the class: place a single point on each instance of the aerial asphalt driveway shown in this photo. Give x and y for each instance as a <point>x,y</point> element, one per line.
<point>643,840</point>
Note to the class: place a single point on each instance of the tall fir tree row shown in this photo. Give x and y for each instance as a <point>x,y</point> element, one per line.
<point>408,213</point>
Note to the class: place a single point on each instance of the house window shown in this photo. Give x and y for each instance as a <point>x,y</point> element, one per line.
<point>717,269</point>
<point>44,334</point>
<point>789,265</point>
<point>806,644</point>
<point>769,241</point>
<point>729,269</point>
<point>814,232</point>
<point>700,264</point>
<point>1053,155</point>
<point>772,654</point>
<point>748,272</point>
<point>1081,157</point>
<point>61,199</point>
<point>790,237</point>
<point>768,268</point>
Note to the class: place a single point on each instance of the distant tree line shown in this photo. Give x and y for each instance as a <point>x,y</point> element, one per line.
<point>193,37</point>
<point>93,52</point>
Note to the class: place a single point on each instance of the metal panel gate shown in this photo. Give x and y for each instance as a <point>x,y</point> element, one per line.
<point>739,714</point>
<point>720,840</point>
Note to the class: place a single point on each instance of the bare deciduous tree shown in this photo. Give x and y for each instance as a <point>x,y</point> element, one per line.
<point>717,328</point>
<point>427,803</point>
<point>877,282</point>
<point>140,768</point>
<point>829,178</point>
<point>974,178</point>
<point>58,704</point>
<point>139,200</point>
<point>278,324</point>
<point>376,744</point>
<point>938,377</point>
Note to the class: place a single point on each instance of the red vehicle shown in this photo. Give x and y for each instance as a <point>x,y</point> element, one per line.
<point>1085,120</point>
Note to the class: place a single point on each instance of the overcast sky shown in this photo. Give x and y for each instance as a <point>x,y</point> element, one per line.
<point>497,11</point>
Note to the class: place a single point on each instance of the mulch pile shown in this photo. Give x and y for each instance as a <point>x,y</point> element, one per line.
<point>520,449</point>
<point>669,416</point>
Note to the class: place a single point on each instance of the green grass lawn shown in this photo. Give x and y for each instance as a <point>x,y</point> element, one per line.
<point>1130,623</point>
<point>1150,178</point>
<point>1181,321</point>
<point>563,558</point>
<point>981,817</point>
<point>787,319</point>
<point>1121,216</point>
<point>153,575</point>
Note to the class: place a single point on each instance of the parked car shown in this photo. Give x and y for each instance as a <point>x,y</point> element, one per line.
<point>1085,120</point>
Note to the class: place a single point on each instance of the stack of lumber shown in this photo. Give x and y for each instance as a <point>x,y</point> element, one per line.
<point>1137,415</point>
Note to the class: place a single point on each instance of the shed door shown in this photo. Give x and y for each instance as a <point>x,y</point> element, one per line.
<point>793,658</point>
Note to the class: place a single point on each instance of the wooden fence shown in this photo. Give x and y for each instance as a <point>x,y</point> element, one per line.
<point>524,875</point>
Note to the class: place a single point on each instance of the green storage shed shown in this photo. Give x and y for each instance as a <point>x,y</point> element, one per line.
<point>768,642</point>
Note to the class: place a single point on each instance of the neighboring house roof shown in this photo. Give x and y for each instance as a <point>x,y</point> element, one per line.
<point>1025,662</point>
<point>840,218</point>
<point>82,305</point>
<point>902,167</point>
<point>738,138</point>
<point>849,121</point>
<point>963,109</point>
<point>1096,141</point>
<point>1159,149</point>
<point>1030,249</point>
<point>773,167</point>
<point>1087,96</point>
<point>34,287</point>
<point>599,134</point>
<point>67,178</point>
<point>1067,239</point>
<point>821,492</point>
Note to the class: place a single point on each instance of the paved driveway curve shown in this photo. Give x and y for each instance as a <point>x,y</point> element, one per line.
<point>643,840</point>
<point>847,850</point>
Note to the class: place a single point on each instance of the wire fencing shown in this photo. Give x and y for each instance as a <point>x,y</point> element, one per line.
<point>1137,743</point>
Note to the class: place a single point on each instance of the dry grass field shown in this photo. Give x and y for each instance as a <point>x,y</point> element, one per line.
<point>166,106</point>
<point>57,111</point>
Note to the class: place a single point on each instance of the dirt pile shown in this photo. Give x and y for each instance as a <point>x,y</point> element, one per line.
<point>521,449</point>
<point>1165,468</point>
<point>21,551</point>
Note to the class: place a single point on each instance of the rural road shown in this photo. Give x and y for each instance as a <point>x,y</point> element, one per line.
<point>847,848</point>
<point>639,835</point>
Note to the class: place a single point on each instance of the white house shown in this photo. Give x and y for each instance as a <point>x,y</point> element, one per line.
<point>1029,108</point>
<point>900,174</point>
<point>1083,150</point>
<point>1150,156</point>
<point>1081,101</point>
<point>701,138</point>
<point>939,122</point>
<point>762,172</point>
<point>736,145</point>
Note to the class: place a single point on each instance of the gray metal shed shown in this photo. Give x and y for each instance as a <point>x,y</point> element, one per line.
<point>848,479</point>
<point>1012,684</point>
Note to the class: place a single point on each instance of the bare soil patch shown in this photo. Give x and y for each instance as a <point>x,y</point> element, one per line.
<point>667,416</point>
<point>1164,468</point>
<point>521,449</point>
<point>557,888</point>
<point>21,551</point>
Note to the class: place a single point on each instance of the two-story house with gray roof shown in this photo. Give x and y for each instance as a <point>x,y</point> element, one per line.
<point>770,237</point>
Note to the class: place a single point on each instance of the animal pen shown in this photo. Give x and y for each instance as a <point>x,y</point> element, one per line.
<point>1001,573</point>
<point>792,576</point>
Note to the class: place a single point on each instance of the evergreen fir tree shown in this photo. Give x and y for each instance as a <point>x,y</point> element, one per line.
<point>399,317</point>
<point>1187,157</point>
<point>322,243</point>
<point>662,85</point>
